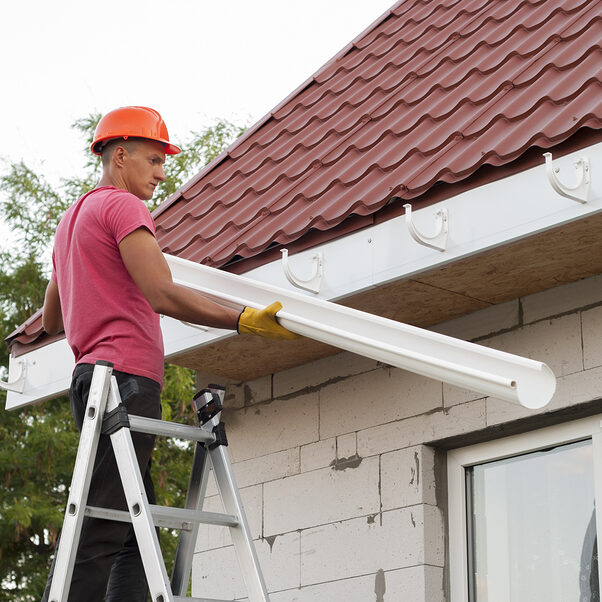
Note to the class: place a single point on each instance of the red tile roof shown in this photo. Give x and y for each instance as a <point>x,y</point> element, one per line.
<point>430,92</point>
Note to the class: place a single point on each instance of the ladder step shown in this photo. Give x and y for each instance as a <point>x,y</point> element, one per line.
<point>152,426</point>
<point>171,518</point>
<point>206,518</point>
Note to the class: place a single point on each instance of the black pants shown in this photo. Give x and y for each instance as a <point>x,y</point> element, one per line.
<point>108,560</point>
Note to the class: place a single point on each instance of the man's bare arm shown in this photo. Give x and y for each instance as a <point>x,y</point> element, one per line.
<point>52,317</point>
<point>147,266</point>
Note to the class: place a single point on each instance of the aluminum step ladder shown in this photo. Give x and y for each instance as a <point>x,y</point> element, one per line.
<point>105,414</point>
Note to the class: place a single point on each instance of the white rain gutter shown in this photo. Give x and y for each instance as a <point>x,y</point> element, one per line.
<point>488,371</point>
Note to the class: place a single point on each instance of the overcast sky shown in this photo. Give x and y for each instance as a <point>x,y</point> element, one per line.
<point>192,60</point>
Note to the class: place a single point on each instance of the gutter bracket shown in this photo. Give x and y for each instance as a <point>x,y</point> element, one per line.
<point>579,192</point>
<point>439,240</point>
<point>17,385</point>
<point>313,283</point>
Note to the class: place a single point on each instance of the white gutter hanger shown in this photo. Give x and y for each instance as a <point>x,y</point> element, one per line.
<point>488,371</point>
<point>439,239</point>
<point>312,284</point>
<point>580,191</point>
<point>18,384</point>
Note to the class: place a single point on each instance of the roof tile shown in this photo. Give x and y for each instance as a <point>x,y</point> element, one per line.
<point>432,92</point>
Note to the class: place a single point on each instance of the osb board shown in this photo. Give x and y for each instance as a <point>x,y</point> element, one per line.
<point>414,302</point>
<point>534,264</point>
<point>244,358</point>
<point>528,266</point>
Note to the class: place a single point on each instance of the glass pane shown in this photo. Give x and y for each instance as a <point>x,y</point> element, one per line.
<point>533,528</point>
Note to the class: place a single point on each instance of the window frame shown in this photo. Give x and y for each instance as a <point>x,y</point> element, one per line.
<point>458,460</point>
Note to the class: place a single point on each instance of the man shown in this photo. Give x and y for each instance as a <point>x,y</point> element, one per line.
<point>109,284</point>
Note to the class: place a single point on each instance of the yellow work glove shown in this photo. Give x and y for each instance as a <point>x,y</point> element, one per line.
<point>263,322</point>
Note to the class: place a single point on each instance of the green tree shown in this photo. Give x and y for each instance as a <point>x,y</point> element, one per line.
<point>38,444</point>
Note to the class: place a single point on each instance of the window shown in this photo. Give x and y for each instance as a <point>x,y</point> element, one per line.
<point>522,517</point>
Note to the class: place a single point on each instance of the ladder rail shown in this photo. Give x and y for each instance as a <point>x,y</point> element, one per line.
<point>195,497</point>
<point>137,501</point>
<point>80,483</point>
<point>241,537</point>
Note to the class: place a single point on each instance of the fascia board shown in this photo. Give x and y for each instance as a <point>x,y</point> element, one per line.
<point>498,213</point>
<point>480,219</point>
<point>49,368</point>
<point>48,374</point>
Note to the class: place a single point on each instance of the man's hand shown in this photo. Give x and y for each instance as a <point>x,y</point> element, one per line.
<point>263,322</point>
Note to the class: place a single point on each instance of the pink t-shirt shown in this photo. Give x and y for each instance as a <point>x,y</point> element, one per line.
<point>106,317</point>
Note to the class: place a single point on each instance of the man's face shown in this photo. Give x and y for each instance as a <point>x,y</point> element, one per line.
<point>143,168</point>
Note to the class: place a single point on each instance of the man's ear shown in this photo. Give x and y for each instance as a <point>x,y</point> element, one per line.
<point>119,156</point>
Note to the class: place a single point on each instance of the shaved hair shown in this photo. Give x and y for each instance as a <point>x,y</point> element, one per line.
<point>130,144</point>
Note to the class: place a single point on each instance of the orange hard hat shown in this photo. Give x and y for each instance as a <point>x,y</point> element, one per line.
<point>137,122</point>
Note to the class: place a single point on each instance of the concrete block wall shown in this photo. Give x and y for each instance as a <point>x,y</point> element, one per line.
<point>340,461</point>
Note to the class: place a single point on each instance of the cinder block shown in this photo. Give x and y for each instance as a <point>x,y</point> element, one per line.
<point>359,589</point>
<point>391,540</point>
<point>319,372</point>
<point>434,535</point>
<point>321,497</point>
<point>592,337</point>
<point>211,485</point>
<point>267,468</point>
<point>267,428</point>
<point>453,395</point>
<point>483,322</point>
<point>556,342</point>
<point>318,455</point>
<point>562,299</point>
<point>216,574</point>
<point>571,390</point>
<point>234,397</point>
<point>211,536</point>
<point>259,470</point>
<point>408,477</point>
<point>375,398</point>
<point>457,420</point>
<point>258,390</point>
<point>346,445</point>
<point>418,583</point>
<point>413,584</point>
<point>500,411</point>
<point>239,395</point>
